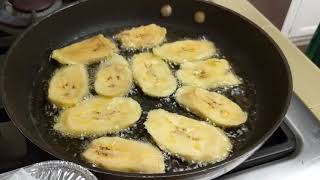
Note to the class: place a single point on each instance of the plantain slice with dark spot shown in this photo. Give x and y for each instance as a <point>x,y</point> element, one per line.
<point>119,154</point>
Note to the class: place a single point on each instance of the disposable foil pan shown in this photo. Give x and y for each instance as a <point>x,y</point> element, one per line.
<point>53,170</point>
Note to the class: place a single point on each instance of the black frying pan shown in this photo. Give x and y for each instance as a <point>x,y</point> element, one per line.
<point>251,52</point>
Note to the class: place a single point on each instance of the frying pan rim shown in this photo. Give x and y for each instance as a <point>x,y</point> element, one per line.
<point>197,171</point>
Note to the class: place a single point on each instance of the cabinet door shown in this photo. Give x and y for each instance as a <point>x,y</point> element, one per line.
<point>303,18</point>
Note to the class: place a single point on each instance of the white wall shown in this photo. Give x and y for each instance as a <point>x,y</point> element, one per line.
<point>302,20</point>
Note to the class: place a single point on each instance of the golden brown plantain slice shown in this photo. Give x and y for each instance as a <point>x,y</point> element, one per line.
<point>153,75</point>
<point>114,77</point>
<point>185,51</point>
<point>207,74</point>
<point>68,85</point>
<point>119,154</point>
<point>142,37</point>
<point>98,116</point>
<point>188,138</point>
<point>212,106</point>
<point>88,51</point>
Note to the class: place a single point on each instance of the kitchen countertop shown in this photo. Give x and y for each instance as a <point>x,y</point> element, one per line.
<point>306,75</point>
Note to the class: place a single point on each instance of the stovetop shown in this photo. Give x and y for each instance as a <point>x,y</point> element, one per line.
<point>290,152</point>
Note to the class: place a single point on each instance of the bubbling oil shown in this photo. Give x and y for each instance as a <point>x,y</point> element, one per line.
<point>244,95</point>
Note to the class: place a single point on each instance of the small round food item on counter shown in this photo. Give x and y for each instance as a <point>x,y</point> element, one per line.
<point>119,154</point>
<point>187,138</point>
<point>212,106</point>
<point>142,37</point>
<point>185,51</point>
<point>207,74</point>
<point>68,85</point>
<point>153,75</point>
<point>88,51</point>
<point>114,77</point>
<point>98,116</point>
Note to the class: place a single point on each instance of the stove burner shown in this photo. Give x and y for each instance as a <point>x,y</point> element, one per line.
<point>16,15</point>
<point>32,5</point>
